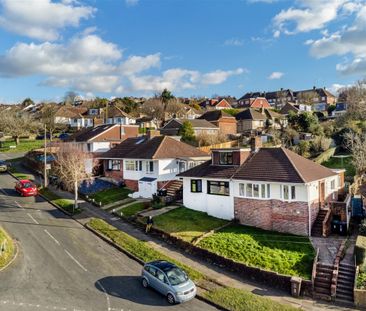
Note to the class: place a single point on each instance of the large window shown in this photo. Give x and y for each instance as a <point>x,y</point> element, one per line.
<point>149,166</point>
<point>252,190</point>
<point>196,185</point>
<point>133,165</point>
<point>226,158</point>
<point>114,165</point>
<point>288,192</point>
<point>218,187</point>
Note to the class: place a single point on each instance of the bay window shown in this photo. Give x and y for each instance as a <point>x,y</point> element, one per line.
<point>251,190</point>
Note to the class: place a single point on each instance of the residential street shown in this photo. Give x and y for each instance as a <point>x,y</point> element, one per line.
<point>63,266</point>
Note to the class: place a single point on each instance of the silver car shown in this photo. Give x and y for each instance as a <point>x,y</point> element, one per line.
<point>169,280</point>
<point>3,166</point>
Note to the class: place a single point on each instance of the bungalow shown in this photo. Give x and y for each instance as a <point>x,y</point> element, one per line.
<point>116,115</point>
<point>224,121</point>
<point>269,188</point>
<point>173,126</point>
<point>147,164</point>
<point>73,116</point>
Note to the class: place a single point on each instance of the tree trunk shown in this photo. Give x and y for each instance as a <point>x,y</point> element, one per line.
<point>17,140</point>
<point>75,196</point>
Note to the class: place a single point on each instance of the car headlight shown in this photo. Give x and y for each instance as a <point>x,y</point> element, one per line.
<point>180,293</point>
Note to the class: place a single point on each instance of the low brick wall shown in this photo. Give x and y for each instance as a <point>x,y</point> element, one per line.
<point>360,298</point>
<point>276,280</point>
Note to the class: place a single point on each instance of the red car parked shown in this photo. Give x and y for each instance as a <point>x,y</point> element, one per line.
<point>26,188</point>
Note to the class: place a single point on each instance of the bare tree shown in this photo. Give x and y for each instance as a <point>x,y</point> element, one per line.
<point>174,107</point>
<point>71,167</point>
<point>355,97</point>
<point>307,98</point>
<point>48,118</point>
<point>356,144</point>
<point>154,108</point>
<point>17,124</point>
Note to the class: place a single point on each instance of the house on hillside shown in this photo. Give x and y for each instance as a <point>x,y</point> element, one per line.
<point>295,108</point>
<point>75,117</point>
<point>259,119</point>
<point>269,188</point>
<point>216,103</point>
<point>147,164</point>
<point>258,102</point>
<point>173,126</point>
<point>116,115</point>
<point>275,99</point>
<point>322,99</point>
<point>340,109</point>
<point>224,121</point>
<point>103,137</point>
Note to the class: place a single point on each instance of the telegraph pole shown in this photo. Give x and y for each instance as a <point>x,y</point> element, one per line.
<point>45,157</point>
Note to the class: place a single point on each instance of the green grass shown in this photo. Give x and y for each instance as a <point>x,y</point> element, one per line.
<point>21,175</point>
<point>187,224</point>
<point>230,298</point>
<point>131,210</point>
<point>8,253</point>
<point>281,253</point>
<point>237,300</point>
<point>66,204</point>
<point>337,163</point>
<point>138,248</point>
<point>110,195</point>
<point>24,146</point>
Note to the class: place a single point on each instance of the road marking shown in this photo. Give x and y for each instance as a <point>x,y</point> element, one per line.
<point>26,306</point>
<point>106,294</point>
<point>52,237</point>
<point>33,218</point>
<point>3,191</point>
<point>78,263</point>
<point>21,207</point>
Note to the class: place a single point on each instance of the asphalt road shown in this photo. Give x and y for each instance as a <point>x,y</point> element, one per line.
<point>63,266</point>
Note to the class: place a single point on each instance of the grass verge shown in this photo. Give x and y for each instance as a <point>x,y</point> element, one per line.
<point>7,254</point>
<point>24,146</point>
<point>131,209</point>
<point>229,298</point>
<point>110,195</point>
<point>282,253</point>
<point>187,224</point>
<point>65,204</point>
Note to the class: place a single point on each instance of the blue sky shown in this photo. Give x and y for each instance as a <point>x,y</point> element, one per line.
<point>192,47</point>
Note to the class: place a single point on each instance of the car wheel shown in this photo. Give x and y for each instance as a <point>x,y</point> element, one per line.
<point>145,283</point>
<point>171,299</point>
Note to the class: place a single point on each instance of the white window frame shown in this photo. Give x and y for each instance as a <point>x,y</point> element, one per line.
<point>332,184</point>
<point>130,165</point>
<point>148,167</point>
<point>246,190</point>
<point>291,192</point>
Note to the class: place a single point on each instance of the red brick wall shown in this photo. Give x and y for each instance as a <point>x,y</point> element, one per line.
<point>116,175</point>
<point>132,184</point>
<point>289,217</point>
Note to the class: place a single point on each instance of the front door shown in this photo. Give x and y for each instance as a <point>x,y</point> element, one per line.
<point>321,193</point>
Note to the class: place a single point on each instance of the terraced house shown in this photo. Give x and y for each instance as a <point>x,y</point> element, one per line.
<point>269,188</point>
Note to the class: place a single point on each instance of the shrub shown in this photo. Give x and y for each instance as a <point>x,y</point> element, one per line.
<point>360,251</point>
<point>362,228</point>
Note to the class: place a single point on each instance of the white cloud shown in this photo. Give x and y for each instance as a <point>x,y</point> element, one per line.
<point>275,75</point>
<point>131,2</point>
<point>220,76</point>
<point>234,42</point>
<point>349,40</point>
<point>309,15</point>
<point>41,19</point>
<point>87,63</point>
<point>336,87</point>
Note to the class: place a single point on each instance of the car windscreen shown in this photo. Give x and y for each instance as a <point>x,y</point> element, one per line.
<point>28,185</point>
<point>176,276</point>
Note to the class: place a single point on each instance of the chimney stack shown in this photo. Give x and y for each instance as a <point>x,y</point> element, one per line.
<point>255,143</point>
<point>151,133</point>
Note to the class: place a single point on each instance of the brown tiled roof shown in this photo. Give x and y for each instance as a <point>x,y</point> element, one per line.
<point>281,165</point>
<point>289,107</point>
<point>207,170</point>
<point>215,115</point>
<point>115,112</point>
<point>160,147</point>
<point>196,123</point>
<point>250,114</point>
<point>70,112</point>
<point>122,149</point>
<point>90,133</point>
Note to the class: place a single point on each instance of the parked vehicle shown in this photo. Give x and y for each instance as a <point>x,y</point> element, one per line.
<point>26,188</point>
<point>38,137</point>
<point>169,280</point>
<point>64,136</point>
<point>3,166</point>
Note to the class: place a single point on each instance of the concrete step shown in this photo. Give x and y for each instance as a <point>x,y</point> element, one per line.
<point>345,283</point>
<point>321,290</point>
<point>344,297</point>
<point>325,297</point>
<point>344,302</point>
<point>319,284</point>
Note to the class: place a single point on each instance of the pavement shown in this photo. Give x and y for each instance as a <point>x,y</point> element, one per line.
<point>212,271</point>
<point>160,211</point>
<point>63,266</point>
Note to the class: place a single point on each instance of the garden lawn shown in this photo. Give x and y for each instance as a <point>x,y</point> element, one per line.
<point>7,255</point>
<point>110,195</point>
<point>187,224</point>
<point>281,253</point>
<point>24,146</point>
<point>337,163</point>
<point>230,298</point>
<point>131,209</point>
<point>65,204</point>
